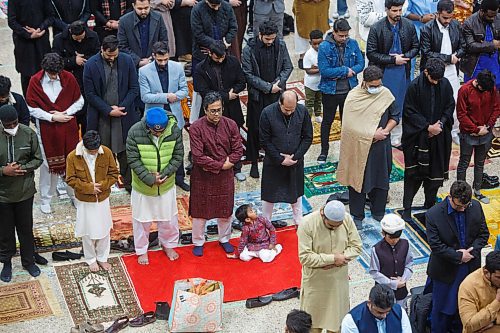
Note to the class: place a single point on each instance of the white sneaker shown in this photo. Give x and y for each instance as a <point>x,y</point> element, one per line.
<point>46,209</point>
<point>319,119</point>
<point>335,16</point>
<point>346,15</point>
<point>240,177</point>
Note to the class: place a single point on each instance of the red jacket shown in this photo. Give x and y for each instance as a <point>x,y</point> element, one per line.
<point>475,108</point>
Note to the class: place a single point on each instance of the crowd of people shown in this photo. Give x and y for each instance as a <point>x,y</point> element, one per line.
<point>105,105</point>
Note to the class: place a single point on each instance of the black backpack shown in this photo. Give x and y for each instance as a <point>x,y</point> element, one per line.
<point>288,24</point>
<point>419,310</point>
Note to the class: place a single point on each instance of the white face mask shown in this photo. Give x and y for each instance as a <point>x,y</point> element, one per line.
<point>11,131</point>
<point>374,90</point>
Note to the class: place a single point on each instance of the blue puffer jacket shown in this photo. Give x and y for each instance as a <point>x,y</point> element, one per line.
<point>328,63</point>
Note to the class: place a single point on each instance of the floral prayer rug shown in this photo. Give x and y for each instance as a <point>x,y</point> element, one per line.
<point>322,179</point>
<point>495,148</point>
<point>26,301</point>
<point>100,296</point>
<point>371,234</point>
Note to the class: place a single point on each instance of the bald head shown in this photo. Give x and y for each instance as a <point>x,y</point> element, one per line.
<point>288,102</point>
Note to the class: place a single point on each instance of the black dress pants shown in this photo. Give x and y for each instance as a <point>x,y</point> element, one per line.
<point>357,201</point>
<point>17,217</point>
<point>411,187</point>
<point>125,170</point>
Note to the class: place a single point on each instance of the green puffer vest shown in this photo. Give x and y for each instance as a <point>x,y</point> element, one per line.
<point>154,158</point>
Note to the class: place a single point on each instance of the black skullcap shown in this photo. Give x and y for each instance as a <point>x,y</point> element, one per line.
<point>8,113</point>
<point>91,140</point>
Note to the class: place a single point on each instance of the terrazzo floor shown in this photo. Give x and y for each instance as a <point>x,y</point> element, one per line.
<point>237,319</point>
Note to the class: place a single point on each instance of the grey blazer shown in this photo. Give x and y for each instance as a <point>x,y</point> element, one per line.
<point>263,7</point>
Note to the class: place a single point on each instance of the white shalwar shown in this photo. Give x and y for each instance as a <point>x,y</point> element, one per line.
<point>265,255</point>
<point>160,209</point>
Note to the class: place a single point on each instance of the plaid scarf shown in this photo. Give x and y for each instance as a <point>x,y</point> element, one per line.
<point>105,8</point>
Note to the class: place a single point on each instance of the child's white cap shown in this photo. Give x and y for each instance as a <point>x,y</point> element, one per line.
<point>392,223</point>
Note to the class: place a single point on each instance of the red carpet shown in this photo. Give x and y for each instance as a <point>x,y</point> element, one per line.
<point>242,280</point>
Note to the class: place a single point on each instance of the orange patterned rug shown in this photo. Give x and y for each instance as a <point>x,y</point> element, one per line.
<point>122,219</point>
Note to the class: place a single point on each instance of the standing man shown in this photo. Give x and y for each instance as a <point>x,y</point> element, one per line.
<point>30,21</point>
<point>222,72</point>
<point>181,22</point>
<point>107,13</point>
<point>163,7</point>
<point>365,160</point>
<point>339,61</point>
<point>69,11</point>
<point>267,67</point>
<point>456,233</point>
<point>442,38</point>
<point>285,134</point>
<point>427,123</point>
<point>76,44</point>
<point>478,109</point>
<point>328,240</point>
<point>392,43</point>
<point>479,297</point>
<point>163,85</point>
<point>111,87</point>
<point>379,314</point>
<point>8,97</point>
<point>264,11</point>
<point>153,196</point>
<point>20,156</point>
<point>240,12</point>
<point>139,30</point>
<point>216,148</point>
<point>53,99</point>
<point>482,39</point>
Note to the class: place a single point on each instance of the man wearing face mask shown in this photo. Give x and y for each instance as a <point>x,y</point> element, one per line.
<point>20,156</point>
<point>111,87</point>
<point>479,297</point>
<point>153,196</point>
<point>427,123</point>
<point>222,72</point>
<point>365,160</point>
<point>482,37</point>
<point>267,67</point>
<point>163,84</point>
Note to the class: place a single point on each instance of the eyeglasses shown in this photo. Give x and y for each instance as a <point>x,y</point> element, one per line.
<point>215,111</point>
<point>461,206</point>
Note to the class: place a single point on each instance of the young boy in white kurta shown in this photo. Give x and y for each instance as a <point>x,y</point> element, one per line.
<point>91,171</point>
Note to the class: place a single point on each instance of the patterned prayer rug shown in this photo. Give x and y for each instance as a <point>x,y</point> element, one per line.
<point>27,300</point>
<point>55,236</point>
<point>371,234</point>
<point>322,179</point>
<point>495,148</point>
<point>97,297</point>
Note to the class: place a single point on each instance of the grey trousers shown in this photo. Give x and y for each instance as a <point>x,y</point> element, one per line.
<point>258,19</point>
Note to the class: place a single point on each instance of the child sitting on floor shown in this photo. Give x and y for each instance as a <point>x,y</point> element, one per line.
<point>391,259</point>
<point>258,236</point>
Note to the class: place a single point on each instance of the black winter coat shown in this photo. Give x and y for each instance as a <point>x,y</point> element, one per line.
<point>69,11</point>
<point>35,14</point>
<point>205,80</point>
<point>23,113</point>
<point>66,47</point>
<point>380,40</point>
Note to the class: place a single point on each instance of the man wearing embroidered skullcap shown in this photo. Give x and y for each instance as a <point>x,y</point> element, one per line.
<point>153,197</point>
<point>20,156</point>
<point>328,241</point>
<point>391,259</point>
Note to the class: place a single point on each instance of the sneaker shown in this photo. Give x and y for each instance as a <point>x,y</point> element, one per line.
<point>228,248</point>
<point>346,15</point>
<point>240,177</point>
<point>198,251</point>
<point>33,270</point>
<point>6,274</point>
<point>482,198</point>
<point>321,159</point>
<point>318,119</point>
<point>335,16</point>
<point>46,209</point>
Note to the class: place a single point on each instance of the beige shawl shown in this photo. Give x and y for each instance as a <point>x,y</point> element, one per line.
<point>362,113</point>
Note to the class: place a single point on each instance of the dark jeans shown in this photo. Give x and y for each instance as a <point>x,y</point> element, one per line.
<point>180,173</point>
<point>357,201</point>
<point>411,187</point>
<point>330,104</point>
<point>443,323</point>
<point>480,153</point>
<point>125,170</point>
<point>17,217</point>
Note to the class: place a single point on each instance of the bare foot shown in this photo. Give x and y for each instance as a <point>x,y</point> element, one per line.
<point>94,267</point>
<point>171,254</point>
<point>105,265</point>
<point>143,259</point>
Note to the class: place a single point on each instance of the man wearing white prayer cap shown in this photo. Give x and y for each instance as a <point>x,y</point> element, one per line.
<point>328,240</point>
<point>391,258</point>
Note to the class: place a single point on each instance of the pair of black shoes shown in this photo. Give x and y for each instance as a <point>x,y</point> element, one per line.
<point>283,295</point>
<point>6,273</point>
<point>489,181</point>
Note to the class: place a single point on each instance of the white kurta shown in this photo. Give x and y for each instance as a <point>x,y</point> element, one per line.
<point>146,208</point>
<point>93,219</point>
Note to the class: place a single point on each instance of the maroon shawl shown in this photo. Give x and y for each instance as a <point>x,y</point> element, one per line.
<point>58,139</point>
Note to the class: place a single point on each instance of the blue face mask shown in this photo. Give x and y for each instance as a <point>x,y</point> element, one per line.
<point>374,90</point>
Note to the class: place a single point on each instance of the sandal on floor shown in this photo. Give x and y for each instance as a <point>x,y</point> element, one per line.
<point>212,229</point>
<point>143,320</point>
<point>123,246</point>
<point>118,325</point>
<point>87,327</point>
